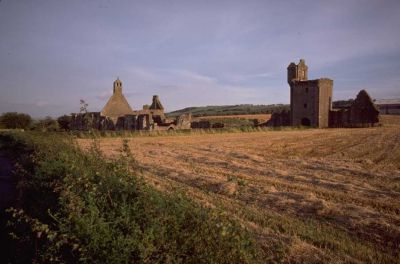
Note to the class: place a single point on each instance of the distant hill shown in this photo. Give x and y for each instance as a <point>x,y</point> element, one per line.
<point>243,109</point>
<point>342,104</point>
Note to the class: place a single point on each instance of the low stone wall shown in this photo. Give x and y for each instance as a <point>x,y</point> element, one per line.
<point>278,119</point>
<point>203,124</point>
<point>94,120</point>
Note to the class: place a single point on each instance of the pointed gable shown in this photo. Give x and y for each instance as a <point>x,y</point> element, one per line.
<point>363,110</point>
<point>364,101</point>
<point>117,105</point>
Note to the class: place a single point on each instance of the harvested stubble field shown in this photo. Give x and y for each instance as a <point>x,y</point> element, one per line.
<point>309,196</point>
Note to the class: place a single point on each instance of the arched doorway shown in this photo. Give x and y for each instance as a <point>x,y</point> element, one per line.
<point>305,121</point>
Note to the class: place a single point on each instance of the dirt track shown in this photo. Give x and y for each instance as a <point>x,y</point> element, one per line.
<point>345,183</point>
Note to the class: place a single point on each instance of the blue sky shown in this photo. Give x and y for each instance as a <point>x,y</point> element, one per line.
<point>54,53</point>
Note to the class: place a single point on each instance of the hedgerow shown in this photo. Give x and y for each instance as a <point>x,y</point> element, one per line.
<point>76,207</point>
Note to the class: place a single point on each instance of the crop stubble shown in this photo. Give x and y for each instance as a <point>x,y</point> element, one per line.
<point>325,195</point>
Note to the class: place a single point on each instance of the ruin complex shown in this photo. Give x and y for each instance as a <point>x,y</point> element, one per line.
<point>311,104</point>
<point>117,114</point>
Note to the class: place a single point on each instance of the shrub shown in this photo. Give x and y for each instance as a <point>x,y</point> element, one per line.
<point>64,122</point>
<point>46,124</point>
<point>14,120</point>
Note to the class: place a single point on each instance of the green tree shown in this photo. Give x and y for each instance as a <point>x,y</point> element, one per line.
<point>64,122</point>
<point>14,120</point>
<point>47,124</point>
<point>83,106</point>
<point>86,115</point>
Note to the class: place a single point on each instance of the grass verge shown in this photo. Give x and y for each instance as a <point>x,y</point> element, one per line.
<point>76,207</point>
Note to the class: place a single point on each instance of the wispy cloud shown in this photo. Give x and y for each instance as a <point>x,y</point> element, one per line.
<point>41,103</point>
<point>177,87</point>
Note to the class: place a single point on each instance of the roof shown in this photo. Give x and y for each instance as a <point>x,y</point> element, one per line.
<point>387,101</point>
<point>117,105</point>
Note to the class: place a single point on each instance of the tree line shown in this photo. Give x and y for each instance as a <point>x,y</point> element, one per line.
<point>14,120</point>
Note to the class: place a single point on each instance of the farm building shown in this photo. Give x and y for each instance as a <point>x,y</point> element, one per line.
<point>388,106</point>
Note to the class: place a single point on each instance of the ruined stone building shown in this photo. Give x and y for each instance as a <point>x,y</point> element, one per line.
<point>310,100</point>
<point>361,113</point>
<point>117,114</point>
<point>311,104</point>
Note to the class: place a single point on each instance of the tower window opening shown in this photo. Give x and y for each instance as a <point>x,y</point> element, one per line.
<point>305,105</point>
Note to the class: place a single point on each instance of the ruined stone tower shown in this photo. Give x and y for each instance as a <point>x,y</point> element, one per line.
<point>297,72</point>
<point>117,105</point>
<point>156,104</point>
<point>310,100</point>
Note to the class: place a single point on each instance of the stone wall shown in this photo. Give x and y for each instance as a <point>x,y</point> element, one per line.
<point>278,119</point>
<point>95,121</point>
<point>183,121</point>
<point>304,108</point>
<point>324,101</point>
<point>203,124</point>
<point>91,120</point>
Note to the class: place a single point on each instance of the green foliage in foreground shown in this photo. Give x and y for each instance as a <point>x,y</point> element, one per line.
<point>75,207</point>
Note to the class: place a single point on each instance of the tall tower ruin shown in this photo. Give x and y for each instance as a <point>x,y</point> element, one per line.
<point>310,100</point>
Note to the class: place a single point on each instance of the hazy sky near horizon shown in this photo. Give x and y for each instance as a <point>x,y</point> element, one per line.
<point>192,53</point>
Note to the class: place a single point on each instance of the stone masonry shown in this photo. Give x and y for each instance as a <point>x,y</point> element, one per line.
<point>310,100</point>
